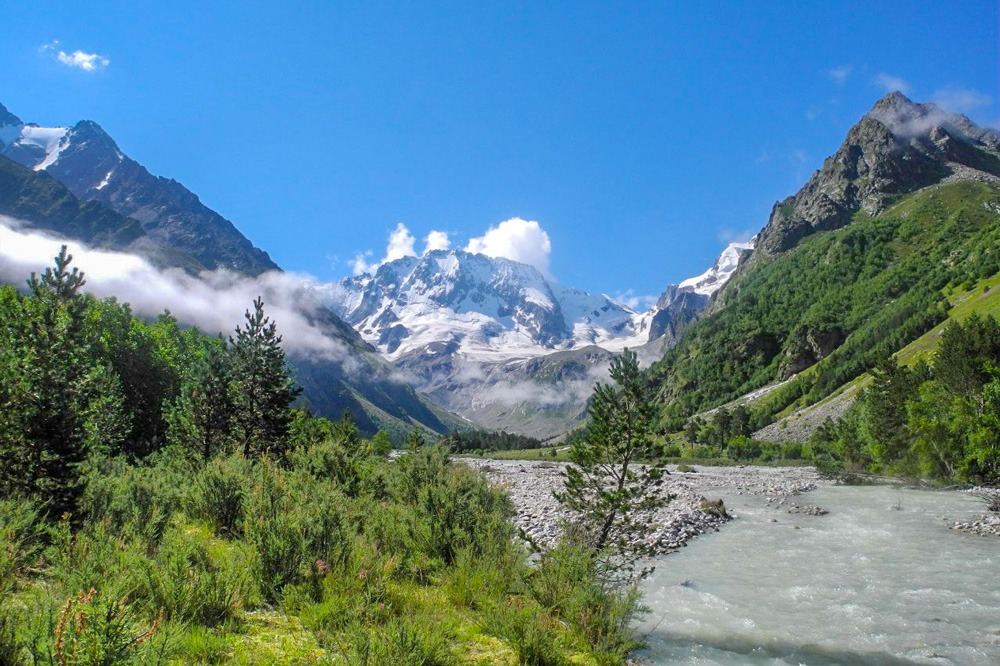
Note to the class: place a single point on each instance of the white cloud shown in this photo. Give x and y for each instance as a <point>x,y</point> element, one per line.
<point>361,265</point>
<point>728,235</point>
<point>213,301</point>
<point>892,83</point>
<point>635,301</point>
<point>839,75</point>
<point>960,100</point>
<point>401,243</point>
<point>516,239</point>
<point>436,240</point>
<point>88,62</point>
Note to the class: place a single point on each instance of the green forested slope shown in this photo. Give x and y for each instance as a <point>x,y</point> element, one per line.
<point>836,302</point>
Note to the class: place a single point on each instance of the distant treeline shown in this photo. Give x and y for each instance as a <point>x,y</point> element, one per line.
<point>488,440</point>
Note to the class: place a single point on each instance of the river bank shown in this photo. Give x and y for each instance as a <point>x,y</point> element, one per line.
<point>531,485</point>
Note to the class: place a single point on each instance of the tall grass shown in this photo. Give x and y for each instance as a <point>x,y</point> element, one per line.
<point>296,561</point>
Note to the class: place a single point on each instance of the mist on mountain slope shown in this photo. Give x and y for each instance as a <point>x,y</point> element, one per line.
<point>213,301</point>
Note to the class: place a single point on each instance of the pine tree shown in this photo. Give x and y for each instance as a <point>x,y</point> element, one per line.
<point>415,441</point>
<point>53,377</point>
<point>200,418</point>
<point>262,386</point>
<point>612,487</point>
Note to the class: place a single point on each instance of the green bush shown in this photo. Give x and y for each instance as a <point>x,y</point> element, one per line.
<point>23,534</point>
<point>218,493</point>
<point>476,579</point>
<point>533,635</point>
<point>400,642</point>
<point>273,526</point>
<point>186,582</point>
<point>566,582</point>
<point>96,627</point>
<point>10,647</point>
<point>457,506</point>
<point>133,498</point>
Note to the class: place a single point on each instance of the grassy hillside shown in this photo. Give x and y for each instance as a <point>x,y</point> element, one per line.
<point>798,424</point>
<point>827,309</point>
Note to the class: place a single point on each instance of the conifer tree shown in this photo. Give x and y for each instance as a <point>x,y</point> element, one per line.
<point>415,440</point>
<point>262,386</point>
<point>54,374</point>
<point>200,418</point>
<point>613,486</point>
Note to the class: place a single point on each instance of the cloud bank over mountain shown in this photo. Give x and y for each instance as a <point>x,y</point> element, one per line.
<point>213,301</point>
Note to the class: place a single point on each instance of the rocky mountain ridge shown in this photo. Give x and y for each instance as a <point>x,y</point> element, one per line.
<point>42,170</point>
<point>896,148</point>
<point>854,265</point>
<point>89,163</point>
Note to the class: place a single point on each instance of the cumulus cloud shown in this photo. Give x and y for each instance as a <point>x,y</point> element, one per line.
<point>839,75</point>
<point>88,62</point>
<point>360,264</point>
<point>516,239</point>
<point>436,240</point>
<point>212,301</point>
<point>960,100</point>
<point>892,83</point>
<point>401,243</point>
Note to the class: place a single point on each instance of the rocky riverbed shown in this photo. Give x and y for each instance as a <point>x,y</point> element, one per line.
<point>989,523</point>
<point>692,511</point>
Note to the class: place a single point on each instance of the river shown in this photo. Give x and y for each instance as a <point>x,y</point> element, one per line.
<point>881,580</point>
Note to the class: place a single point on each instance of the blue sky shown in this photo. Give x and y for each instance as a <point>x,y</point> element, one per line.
<point>640,136</point>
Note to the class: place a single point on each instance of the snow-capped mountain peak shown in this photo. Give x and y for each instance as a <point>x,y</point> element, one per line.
<point>486,307</point>
<point>715,277</point>
<point>64,150</point>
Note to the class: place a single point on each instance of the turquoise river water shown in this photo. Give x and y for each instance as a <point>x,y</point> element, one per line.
<point>881,580</point>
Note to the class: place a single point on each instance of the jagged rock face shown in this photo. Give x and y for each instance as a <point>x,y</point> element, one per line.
<point>88,162</point>
<point>8,119</point>
<point>806,346</point>
<point>897,148</point>
<point>682,304</point>
<point>45,204</point>
<point>675,310</point>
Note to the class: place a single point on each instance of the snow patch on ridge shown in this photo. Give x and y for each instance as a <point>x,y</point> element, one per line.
<point>104,183</point>
<point>51,140</point>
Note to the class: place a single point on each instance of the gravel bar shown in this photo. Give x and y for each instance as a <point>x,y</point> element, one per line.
<point>531,485</point>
